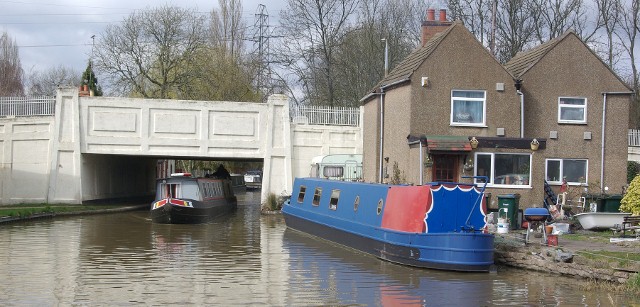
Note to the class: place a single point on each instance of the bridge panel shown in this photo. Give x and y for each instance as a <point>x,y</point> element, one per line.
<point>166,128</point>
<point>24,159</point>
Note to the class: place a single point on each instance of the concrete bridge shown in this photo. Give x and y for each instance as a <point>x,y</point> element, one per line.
<point>106,147</point>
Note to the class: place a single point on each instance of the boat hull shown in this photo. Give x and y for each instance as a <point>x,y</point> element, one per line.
<point>199,213</point>
<point>600,220</point>
<point>468,252</point>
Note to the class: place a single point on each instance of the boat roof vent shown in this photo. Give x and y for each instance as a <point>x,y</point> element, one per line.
<point>181,175</point>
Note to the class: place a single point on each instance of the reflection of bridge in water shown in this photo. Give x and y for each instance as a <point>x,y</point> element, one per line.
<point>86,148</point>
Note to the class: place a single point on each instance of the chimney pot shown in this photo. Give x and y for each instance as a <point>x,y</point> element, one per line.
<point>431,14</point>
<point>443,15</point>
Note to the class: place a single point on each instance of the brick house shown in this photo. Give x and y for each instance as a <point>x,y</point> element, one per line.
<point>582,107</point>
<point>451,91</point>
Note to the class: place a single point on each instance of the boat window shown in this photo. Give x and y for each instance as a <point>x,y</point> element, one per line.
<point>316,196</point>
<point>204,189</point>
<point>380,202</point>
<point>333,202</point>
<point>303,190</point>
<point>333,171</point>
<point>189,190</point>
<point>356,203</point>
<point>170,190</point>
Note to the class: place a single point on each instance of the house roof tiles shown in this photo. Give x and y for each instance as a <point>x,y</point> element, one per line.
<point>405,69</point>
<point>523,61</point>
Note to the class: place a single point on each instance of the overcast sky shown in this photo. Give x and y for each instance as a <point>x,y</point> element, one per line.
<point>50,33</point>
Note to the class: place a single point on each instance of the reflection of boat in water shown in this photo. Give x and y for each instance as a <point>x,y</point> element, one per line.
<point>356,280</point>
<point>436,226</point>
<point>182,199</point>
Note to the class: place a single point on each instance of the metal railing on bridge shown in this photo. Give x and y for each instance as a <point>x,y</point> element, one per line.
<point>27,106</point>
<point>316,115</point>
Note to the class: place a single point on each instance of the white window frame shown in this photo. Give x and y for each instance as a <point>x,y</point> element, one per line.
<point>484,108</point>
<point>562,106</point>
<point>491,182</point>
<point>559,181</point>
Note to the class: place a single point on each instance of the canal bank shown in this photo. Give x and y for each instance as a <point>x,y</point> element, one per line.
<point>41,212</point>
<point>586,255</point>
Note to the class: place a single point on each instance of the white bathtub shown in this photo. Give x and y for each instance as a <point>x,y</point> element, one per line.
<point>600,220</point>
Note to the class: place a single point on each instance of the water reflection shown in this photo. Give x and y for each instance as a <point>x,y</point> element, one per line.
<point>330,273</point>
<point>244,258</point>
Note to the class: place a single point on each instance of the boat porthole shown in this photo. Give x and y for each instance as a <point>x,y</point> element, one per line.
<point>356,203</point>
<point>379,206</point>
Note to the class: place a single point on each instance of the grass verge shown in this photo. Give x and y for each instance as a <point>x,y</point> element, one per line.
<point>27,210</point>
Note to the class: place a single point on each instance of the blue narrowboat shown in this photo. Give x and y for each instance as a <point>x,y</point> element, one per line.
<point>437,226</point>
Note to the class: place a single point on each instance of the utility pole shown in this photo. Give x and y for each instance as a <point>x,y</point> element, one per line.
<point>493,27</point>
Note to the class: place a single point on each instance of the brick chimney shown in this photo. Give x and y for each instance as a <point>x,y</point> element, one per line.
<point>431,27</point>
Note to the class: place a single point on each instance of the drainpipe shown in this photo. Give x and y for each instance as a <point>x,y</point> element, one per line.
<point>521,94</point>
<point>602,140</point>
<point>381,134</point>
<point>421,162</point>
<point>518,86</point>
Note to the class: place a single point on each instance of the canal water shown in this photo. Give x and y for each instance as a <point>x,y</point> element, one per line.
<point>244,258</point>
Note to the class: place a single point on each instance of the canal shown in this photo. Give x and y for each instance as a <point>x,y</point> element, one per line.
<point>241,259</point>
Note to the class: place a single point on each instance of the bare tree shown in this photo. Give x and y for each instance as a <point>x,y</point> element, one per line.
<point>11,73</point>
<point>45,83</point>
<point>147,54</point>
<point>476,16</point>
<point>609,11</point>
<point>313,30</point>
<point>515,27</point>
<point>627,34</point>
<point>360,56</point>
<point>555,17</point>
<point>227,28</point>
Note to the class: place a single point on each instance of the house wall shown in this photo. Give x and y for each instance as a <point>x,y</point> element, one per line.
<point>370,139</point>
<point>460,62</point>
<point>396,130</point>
<point>570,69</point>
<point>450,67</point>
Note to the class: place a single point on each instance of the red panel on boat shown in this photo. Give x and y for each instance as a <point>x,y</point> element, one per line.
<point>406,207</point>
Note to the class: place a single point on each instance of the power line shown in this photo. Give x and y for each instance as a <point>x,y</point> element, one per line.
<point>63,5</point>
<point>56,23</point>
<point>56,45</point>
<point>61,14</point>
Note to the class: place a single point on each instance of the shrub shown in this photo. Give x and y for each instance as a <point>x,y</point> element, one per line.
<point>631,200</point>
<point>273,202</point>
<point>633,168</point>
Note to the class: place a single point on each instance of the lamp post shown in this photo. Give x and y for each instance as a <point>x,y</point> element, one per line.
<point>381,150</point>
<point>386,56</point>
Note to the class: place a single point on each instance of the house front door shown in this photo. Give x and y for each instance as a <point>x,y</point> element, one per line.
<point>445,168</point>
